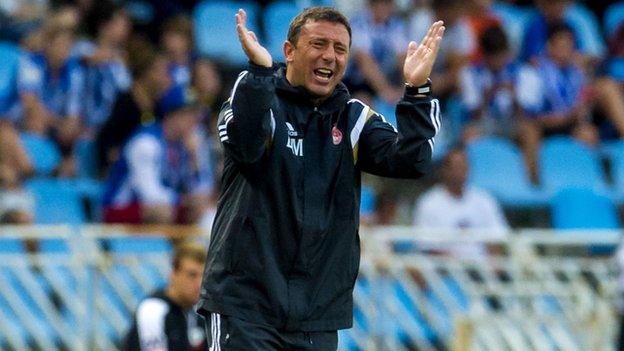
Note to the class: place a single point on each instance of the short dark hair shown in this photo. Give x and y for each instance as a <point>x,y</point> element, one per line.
<point>141,55</point>
<point>493,40</point>
<point>321,13</point>
<point>179,24</point>
<point>444,4</point>
<point>189,250</point>
<point>100,13</point>
<point>560,27</point>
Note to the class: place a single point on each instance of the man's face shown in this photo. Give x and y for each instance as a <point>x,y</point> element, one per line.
<point>319,58</point>
<point>59,49</point>
<point>561,47</point>
<point>455,171</point>
<point>186,280</point>
<point>158,76</point>
<point>119,27</point>
<point>381,10</point>
<point>186,120</point>
<point>553,10</point>
<point>497,61</point>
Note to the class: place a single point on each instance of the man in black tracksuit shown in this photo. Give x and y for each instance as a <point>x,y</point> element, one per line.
<point>284,252</point>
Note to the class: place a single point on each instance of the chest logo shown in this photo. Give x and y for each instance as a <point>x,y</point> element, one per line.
<point>295,141</point>
<point>336,135</point>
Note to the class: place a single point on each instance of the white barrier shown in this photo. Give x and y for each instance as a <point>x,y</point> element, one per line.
<point>425,290</point>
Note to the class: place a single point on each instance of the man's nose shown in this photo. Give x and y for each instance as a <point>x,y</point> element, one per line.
<point>329,54</point>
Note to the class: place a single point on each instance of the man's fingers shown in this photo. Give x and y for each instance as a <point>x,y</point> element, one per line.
<point>437,40</point>
<point>411,48</point>
<point>252,35</point>
<point>432,33</point>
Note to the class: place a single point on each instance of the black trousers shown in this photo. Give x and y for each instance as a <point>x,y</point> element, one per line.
<point>226,333</point>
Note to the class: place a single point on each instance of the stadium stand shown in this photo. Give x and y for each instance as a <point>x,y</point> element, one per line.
<point>57,201</point>
<point>582,209</point>
<point>531,295</point>
<point>10,54</point>
<point>68,283</point>
<point>44,154</point>
<point>613,17</point>
<point>497,166</point>
<point>214,32</point>
<point>566,163</point>
<point>277,17</point>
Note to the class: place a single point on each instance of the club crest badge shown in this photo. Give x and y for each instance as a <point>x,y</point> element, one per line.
<point>336,135</point>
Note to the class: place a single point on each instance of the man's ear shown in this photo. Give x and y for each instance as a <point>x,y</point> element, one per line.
<point>289,51</point>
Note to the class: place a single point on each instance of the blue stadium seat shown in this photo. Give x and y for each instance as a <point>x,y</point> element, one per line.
<point>277,18</point>
<point>215,29</point>
<point>576,208</point>
<point>57,201</point>
<point>567,163</point>
<point>42,151</point>
<point>10,54</point>
<point>496,165</point>
<point>613,17</point>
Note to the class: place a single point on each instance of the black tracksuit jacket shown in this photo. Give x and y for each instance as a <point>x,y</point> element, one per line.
<point>285,248</point>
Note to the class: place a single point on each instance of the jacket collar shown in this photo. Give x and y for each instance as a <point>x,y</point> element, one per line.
<point>299,94</point>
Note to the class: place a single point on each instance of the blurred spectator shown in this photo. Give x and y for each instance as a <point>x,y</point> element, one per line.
<point>177,44</point>
<point>481,18</point>
<point>386,209</point>
<point>103,59</point>
<point>554,95</point>
<point>16,204</point>
<point>50,86</point>
<point>457,46</point>
<point>379,48</point>
<point>165,320</point>
<point>136,106</point>
<point>19,17</point>
<point>455,205</point>
<point>488,88</point>
<point>551,12</point>
<point>207,84</point>
<point>155,179</point>
<point>554,12</point>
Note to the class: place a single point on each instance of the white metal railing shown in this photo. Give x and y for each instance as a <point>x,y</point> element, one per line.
<point>529,290</point>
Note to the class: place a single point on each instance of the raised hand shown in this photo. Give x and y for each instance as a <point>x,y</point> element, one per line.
<point>420,58</point>
<point>249,42</point>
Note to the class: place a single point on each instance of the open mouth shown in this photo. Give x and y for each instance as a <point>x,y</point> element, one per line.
<point>323,74</point>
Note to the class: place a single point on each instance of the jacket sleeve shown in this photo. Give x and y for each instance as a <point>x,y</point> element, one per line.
<point>382,150</point>
<point>245,121</point>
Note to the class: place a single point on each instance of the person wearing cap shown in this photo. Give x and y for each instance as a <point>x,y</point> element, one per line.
<point>155,175</point>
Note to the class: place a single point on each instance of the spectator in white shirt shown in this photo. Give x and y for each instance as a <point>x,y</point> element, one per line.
<point>455,206</point>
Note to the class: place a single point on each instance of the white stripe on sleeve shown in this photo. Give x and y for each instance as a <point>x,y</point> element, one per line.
<point>359,126</point>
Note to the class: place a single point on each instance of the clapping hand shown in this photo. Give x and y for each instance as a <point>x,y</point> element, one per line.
<point>256,53</point>
<point>420,58</point>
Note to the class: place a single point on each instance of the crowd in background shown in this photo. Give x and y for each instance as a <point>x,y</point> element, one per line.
<point>141,93</point>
